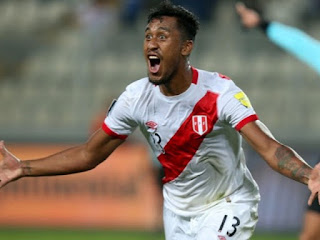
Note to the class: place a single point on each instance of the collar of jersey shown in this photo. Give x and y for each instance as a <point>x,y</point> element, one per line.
<point>186,94</point>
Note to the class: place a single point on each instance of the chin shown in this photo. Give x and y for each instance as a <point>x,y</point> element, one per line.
<point>155,81</point>
<point>158,80</point>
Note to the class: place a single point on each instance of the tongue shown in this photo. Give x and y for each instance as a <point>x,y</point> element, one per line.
<point>154,68</point>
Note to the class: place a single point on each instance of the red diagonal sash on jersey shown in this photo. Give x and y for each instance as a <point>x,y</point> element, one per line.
<point>184,144</point>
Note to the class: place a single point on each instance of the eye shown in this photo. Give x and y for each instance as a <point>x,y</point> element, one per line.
<point>148,36</point>
<point>162,37</point>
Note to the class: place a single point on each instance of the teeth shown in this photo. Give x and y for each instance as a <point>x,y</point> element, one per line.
<point>153,57</point>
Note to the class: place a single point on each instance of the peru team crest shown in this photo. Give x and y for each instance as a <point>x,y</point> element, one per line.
<point>200,124</point>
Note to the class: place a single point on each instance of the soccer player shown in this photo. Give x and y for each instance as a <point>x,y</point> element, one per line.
<point>306,49</point>
<point>194,121</point>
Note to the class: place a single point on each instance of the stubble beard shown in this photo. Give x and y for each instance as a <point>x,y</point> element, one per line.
<point>165,80</point>
<point>162,81</point>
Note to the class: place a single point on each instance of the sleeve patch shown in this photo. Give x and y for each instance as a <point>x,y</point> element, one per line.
<point>243,99</point>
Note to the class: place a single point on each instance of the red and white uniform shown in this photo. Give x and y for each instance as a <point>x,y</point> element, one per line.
<point>195,137</point>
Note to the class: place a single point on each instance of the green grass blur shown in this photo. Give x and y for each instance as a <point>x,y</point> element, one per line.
<point>58,234</point>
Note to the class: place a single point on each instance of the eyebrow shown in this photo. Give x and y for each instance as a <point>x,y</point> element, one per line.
<point>160,28</point>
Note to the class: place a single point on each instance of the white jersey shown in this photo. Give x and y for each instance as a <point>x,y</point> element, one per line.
<point>195,137</point>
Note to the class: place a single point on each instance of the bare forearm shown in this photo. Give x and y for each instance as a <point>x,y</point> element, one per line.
<point>289,163</point>
<point>72,160</point>
<point>279,157</point>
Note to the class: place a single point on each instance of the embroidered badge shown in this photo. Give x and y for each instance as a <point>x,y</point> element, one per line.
<point>200,124</point>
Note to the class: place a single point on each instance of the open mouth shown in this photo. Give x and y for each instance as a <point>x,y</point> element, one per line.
<point>154,64</point>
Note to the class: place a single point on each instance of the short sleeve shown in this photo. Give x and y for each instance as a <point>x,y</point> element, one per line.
<point>235,107</point>
<point>119,121</point>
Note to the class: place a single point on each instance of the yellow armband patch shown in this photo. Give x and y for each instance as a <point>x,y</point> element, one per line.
<point>243,99</point>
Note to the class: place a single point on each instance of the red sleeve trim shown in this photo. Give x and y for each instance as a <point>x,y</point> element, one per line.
<point>108,131</point>
<point>224,76</point>
<point>241,124</point>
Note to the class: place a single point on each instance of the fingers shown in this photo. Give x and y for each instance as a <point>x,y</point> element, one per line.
<point>311,198</point>
<point>315,172</point>
<point>3,149</point>
<point>240,8</point>
<point>5,153</point>
<point>3,182</point>
<point>249,17</point>
<point>317,166</point>
<point>314,184</point>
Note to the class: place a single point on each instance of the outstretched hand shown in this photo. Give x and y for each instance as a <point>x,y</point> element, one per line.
<point>10,166</point>
<point>314,184</point>
<point>249,18</point>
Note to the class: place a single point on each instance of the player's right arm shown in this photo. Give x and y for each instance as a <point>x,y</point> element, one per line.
<point>72,160</point>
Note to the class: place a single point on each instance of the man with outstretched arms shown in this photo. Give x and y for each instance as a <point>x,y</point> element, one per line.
<point>192,134</point>
<point>194,121</point>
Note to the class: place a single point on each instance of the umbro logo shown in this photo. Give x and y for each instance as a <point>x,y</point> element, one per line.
<point>152,126</point>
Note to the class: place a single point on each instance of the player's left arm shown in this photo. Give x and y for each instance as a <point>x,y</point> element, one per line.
<point>282,158</point>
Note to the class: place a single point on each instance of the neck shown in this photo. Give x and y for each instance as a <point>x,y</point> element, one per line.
<point>179,83</point>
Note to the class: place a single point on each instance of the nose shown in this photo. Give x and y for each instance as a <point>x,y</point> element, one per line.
<point>152,44</point>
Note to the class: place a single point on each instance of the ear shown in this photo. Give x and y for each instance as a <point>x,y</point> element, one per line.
<point>187,48</point>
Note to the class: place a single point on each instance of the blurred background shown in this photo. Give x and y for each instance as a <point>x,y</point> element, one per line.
<point>61,64</point>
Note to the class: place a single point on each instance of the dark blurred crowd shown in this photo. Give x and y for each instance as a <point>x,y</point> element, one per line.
<point>130,10</point>
<point>98,17</point>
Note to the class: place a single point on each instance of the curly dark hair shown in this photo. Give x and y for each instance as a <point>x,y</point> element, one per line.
<point>188,23</point>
